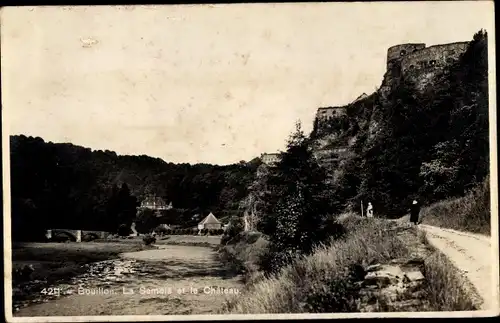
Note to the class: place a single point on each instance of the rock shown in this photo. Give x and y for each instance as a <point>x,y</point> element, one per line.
<point>413,261</point>
<point>393,286</point>
<point>415,275</point>
<point>379,279</point>
<point>373,267</point>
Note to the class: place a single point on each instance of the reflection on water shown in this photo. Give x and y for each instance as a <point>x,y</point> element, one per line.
<point>110,274</point>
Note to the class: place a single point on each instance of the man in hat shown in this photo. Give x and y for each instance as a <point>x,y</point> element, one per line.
<point>414,212</point>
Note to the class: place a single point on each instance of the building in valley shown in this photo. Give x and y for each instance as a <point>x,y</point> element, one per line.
<point>210,222</point>
<point>155,203</point>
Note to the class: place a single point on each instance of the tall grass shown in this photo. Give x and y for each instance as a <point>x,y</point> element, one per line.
<point>243,255</point>
<point>469,213</point>
<point>445,289</point>
<point>325,280</point>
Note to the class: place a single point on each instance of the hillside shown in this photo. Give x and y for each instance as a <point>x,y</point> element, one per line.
<point>423,134</point>
<point>68,186</point>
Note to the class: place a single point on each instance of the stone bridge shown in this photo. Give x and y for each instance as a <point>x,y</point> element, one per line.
<point>77,235</point>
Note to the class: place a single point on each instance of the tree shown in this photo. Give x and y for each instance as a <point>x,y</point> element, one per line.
<point>121,208</point>
<point>234,228</point>
<point>146,221</point>
<point>127,205</point>
<point>296,206</point>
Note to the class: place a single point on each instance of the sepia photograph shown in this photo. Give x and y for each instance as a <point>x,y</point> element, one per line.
<point>249,161</point>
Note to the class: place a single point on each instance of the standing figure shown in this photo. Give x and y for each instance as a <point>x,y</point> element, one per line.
<point>369,210</point>
<point>415,211</point>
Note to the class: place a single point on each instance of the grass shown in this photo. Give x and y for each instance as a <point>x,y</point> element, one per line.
<point>469,213</point>
<point>189,240</point>
<point>324,280</point>
<point>243,256</point>
<point>444,286</point>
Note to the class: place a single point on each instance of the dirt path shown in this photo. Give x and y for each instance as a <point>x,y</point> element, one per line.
<point>472,254</point>
<point>156,278</point>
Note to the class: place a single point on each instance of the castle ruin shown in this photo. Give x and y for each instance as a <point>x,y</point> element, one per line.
<point>269,158</point>
<point>411,61</point>
<point>418,63</point>
<point>328,113</point>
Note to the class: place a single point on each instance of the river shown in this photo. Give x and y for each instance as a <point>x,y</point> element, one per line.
<point>171,280</point>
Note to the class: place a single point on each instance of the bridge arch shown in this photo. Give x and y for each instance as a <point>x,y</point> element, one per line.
<point>73,235</point>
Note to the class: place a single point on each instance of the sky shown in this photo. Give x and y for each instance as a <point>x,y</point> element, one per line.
<point>204,83</point>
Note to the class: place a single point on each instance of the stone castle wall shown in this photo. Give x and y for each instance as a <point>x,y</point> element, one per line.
<point>411,61</point>
<point>418,63</point>
<point>396,53</point>
<point>438,56</point>
<point>269,158</point>
<point>330,112</point>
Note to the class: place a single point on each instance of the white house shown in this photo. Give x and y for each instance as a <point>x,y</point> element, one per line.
<point>210,222</point>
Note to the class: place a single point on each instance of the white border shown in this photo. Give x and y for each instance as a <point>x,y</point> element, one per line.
<point>120,318</point>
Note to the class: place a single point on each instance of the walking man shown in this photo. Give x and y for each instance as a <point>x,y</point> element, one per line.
<point>415,212</point>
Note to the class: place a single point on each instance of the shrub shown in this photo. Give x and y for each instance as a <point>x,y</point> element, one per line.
<point>468,213</point>
<point>148,239</point>
<point>234,228</point>
<point>323,281</point>
<point>124,230</point>
<point>161,230</point>
<point>243,257</point>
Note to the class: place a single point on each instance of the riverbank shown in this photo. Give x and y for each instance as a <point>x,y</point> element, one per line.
<point>169,280</point>
<point>55,263</point>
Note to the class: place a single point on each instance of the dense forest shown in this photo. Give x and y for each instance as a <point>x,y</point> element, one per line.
<point>428,144</point>
<point>66,186</point>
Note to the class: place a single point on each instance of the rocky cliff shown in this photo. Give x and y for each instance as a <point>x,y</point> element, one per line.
<point>376,145</point>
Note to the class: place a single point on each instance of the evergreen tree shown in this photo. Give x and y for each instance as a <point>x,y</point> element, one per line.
<point>297,204</point>
<point>127,205</point>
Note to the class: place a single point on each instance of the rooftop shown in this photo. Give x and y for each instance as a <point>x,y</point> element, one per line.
<point>210,219</point>
<point>330,108</point>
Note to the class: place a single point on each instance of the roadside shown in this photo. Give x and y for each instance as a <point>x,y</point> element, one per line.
<point>469,213</point>
<point>379,266</point>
